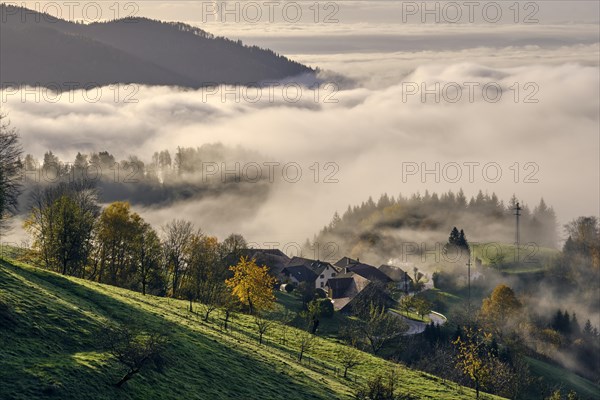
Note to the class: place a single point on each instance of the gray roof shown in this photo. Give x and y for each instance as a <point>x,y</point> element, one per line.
<point>345,261</point>
<point>346,285</point>
<point>300,272</point>
<point>396,274</point>
<point>274,259</point>
<point>316,266</point>
<point>369,272</point>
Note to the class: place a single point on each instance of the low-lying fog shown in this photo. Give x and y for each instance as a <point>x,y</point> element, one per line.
<point>367,128</point>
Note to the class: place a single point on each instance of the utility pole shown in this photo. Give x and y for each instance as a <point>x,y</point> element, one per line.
<point>469,287</point>
<point>517,211</point>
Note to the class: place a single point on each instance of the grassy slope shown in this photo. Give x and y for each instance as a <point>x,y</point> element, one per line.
<point>49,349</point>
<point>566,380</point>
<point>532,258</point>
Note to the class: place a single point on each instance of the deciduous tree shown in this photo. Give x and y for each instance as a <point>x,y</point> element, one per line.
<point>473,358</point>
<point>382,387</point>
<point>499,308</point>
<point>252,285</point>
<point>118,229</point>
<point>178,234</point>
<point>306,341</point>
<point>380,327</point>
<point>349,357</point>
<point>422,306</point>
<point>62,222</point>
<point>229,305</point>
<point>205,280</point>
<point>262,326</point>
<point>149,259</point>
<point>406,304</point>
<point>10,167</point>
<point>136,350</point>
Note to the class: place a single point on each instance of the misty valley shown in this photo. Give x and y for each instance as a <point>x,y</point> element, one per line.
<point>293,200</point>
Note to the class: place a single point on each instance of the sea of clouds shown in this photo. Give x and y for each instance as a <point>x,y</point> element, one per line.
<point>364,125</point>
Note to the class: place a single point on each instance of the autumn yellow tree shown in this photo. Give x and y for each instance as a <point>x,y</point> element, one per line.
<point>473,358</point>
<point>252,285</point>
<point>498,309</point>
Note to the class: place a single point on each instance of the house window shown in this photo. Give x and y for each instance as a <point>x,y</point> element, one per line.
<point>322,276</point>
<point>322,284</point>
<point>332,274</point>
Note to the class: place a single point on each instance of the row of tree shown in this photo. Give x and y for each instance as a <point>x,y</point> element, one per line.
<point>74,236</point>
<point>162,167</point>
<point>210,169</point>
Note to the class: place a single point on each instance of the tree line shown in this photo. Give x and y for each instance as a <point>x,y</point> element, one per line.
<point>74,236</point>
<point>360,230</point>
<point>189,172</point>
<point>185,162</point>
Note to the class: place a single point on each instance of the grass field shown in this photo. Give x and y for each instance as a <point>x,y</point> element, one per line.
<point>413,315</point>
<point>50,348</point>
<point>565,380</point>
<point>503,257</point>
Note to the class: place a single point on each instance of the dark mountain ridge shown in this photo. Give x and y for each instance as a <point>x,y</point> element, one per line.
<point>40,50</point>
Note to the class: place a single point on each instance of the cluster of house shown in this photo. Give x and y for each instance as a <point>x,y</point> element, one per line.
<point>342,281</point>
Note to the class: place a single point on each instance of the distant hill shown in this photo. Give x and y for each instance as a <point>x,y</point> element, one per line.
<point>50,347</point>
<point>39,50</point>
<point>381,230</point>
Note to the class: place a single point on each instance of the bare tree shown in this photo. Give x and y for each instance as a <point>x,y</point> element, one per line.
<point>10,167</point>
<point>307,341</point>
<point>262,325</point>
<point>211,303</point>
<point>178,234</point>
<point>285,319</point>
<point>349,357</point>
<point>229,305</point>
<point>234,245</point>
<point>383,387</point>
<point>135,350</point>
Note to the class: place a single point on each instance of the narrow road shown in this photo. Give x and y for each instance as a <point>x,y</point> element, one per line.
<point>415,327</point>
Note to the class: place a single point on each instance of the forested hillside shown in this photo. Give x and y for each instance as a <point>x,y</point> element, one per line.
<point>386,229</point>
<point>132,50</point>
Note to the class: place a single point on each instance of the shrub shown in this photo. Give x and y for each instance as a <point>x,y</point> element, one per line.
<point>289,287</point>
<point>325,308</point>
<point>135,350</point>
<point>382,387</point>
